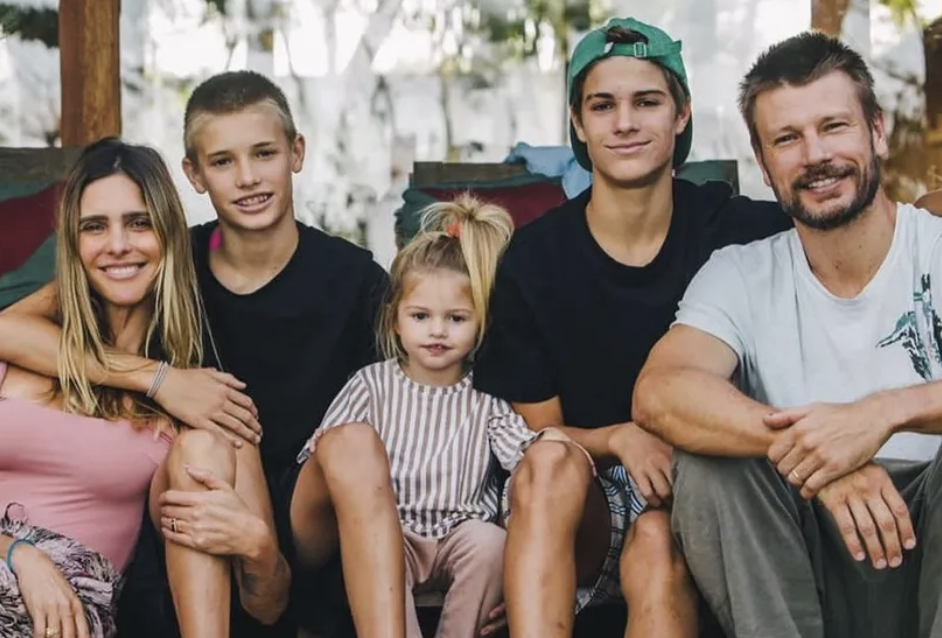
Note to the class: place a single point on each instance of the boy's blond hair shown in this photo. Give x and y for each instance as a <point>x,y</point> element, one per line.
<point>231,92</point>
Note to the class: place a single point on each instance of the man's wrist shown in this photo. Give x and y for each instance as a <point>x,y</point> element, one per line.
<point>894,409</point>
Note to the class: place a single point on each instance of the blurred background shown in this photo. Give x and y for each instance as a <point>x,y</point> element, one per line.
<point>379,84</point>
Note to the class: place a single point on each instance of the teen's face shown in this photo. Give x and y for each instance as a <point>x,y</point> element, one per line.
<point>818,152</point>
<point>437,326</point>
<point>244,162</point>
<point>118,247</point>
<point>628,120</point>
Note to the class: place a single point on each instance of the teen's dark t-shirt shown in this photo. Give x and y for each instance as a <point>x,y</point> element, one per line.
<point>569,321</point>
<point>296,340</point>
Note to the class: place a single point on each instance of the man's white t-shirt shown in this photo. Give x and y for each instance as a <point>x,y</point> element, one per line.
<point>798,344</point>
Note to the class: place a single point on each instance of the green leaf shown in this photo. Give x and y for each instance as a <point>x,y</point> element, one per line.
<point>30,23</point>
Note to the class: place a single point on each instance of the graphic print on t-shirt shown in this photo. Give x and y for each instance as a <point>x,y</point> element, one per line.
<point>919,332</point>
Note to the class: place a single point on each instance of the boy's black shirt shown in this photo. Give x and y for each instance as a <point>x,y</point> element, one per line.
<point>296,340</point>
<point>568,320</point>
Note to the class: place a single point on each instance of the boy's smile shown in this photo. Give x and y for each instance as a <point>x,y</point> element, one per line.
<point>245,163</point>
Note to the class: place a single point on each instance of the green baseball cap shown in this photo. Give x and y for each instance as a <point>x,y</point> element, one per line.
<point>660,49</point>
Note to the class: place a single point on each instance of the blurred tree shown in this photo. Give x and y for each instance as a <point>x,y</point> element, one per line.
<point>30,23</point>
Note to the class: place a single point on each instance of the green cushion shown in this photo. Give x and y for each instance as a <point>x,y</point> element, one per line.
<point>38,270</point>
<point>11,190</point>
<point>711,171</point>
<point>501,191</point>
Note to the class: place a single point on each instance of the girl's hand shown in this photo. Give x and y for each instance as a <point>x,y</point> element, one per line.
<point>49,598</point>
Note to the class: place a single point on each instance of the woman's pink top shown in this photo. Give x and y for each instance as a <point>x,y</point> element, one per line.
<point>85,478</point>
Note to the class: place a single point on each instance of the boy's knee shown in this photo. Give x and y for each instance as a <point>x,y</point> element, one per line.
<point>650,560</point>
<point>551,475</point>
<point>204,450</point>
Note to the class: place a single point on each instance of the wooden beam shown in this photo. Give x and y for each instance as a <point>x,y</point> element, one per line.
<point>828,15</point>
<point>932,42</point>
<point>90,69</point>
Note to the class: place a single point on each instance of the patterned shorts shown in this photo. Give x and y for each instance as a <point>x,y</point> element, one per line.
<point>92,576</point>
<point>625,504</point>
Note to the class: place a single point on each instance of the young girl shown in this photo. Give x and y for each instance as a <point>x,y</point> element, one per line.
<point>441,435</point>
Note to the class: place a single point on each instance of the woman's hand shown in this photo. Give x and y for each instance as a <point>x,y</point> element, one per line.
<point>214,521</point>
<point>207,399</point>
<point>49,598</point>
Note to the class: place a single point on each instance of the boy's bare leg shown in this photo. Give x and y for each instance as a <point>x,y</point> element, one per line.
<point>557,536</point>
<point>655,582</point>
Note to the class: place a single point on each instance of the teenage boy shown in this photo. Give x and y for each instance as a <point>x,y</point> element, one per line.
<point>582,295</point>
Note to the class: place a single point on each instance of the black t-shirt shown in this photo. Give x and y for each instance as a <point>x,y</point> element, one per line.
<point>569,321</point>
<point>295,341</point>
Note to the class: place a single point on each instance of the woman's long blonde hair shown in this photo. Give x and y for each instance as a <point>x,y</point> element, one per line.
<point>174,332</point>
<point>467,236</point>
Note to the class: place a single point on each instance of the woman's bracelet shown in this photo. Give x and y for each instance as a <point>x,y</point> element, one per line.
<point>12,546</point>
<point>162,370</point>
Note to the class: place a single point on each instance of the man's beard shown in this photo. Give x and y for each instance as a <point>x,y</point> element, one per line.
<point>868,183</point>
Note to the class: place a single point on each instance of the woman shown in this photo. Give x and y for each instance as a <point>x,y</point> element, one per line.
<point>77,460</point>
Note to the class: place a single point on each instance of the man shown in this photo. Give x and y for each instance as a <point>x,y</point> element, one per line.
<point>581,296</point>
<point>799,368</point>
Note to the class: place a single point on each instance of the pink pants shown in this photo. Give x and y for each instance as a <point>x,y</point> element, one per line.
<point>468,564</point>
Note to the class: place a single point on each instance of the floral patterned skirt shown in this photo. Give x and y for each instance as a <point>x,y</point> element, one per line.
<point>95,580</point>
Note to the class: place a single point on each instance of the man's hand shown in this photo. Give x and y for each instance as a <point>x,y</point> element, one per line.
<point>871,515</point>
<point>215,521</point>
<point>48,596</point>
<point>207,399</point>
<point>822,442</point>
<point>647,459</point>
<point>496,619</point>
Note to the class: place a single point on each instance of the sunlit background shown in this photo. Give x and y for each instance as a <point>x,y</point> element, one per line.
<point>379,84</point>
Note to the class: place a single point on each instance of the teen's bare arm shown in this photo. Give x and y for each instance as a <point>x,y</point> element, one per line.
<point>646,457</point>
<point>201,398</point>
<point>684,395</point>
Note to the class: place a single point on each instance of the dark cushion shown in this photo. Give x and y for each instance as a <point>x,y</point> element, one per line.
<point>525,198</point>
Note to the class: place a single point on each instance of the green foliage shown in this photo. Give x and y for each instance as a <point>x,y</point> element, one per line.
<point>30,23</point>
<point>904,11</point>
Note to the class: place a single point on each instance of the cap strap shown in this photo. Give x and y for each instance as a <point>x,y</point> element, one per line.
<point>643,49</point>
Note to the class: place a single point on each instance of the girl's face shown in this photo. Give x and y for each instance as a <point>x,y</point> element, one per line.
<point>117,244</point>
<point>437,326</point>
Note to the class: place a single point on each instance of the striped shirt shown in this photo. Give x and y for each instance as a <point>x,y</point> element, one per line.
<point>443,444</point>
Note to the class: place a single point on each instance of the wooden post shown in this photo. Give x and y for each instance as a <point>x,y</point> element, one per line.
<point>828,15</point>
<point>932,40</point>
<point>90,68</point>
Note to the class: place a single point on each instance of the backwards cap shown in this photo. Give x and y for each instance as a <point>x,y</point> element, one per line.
<point>660,49</point>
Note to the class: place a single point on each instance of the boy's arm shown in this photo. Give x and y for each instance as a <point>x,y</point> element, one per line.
<point>201,398</point>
